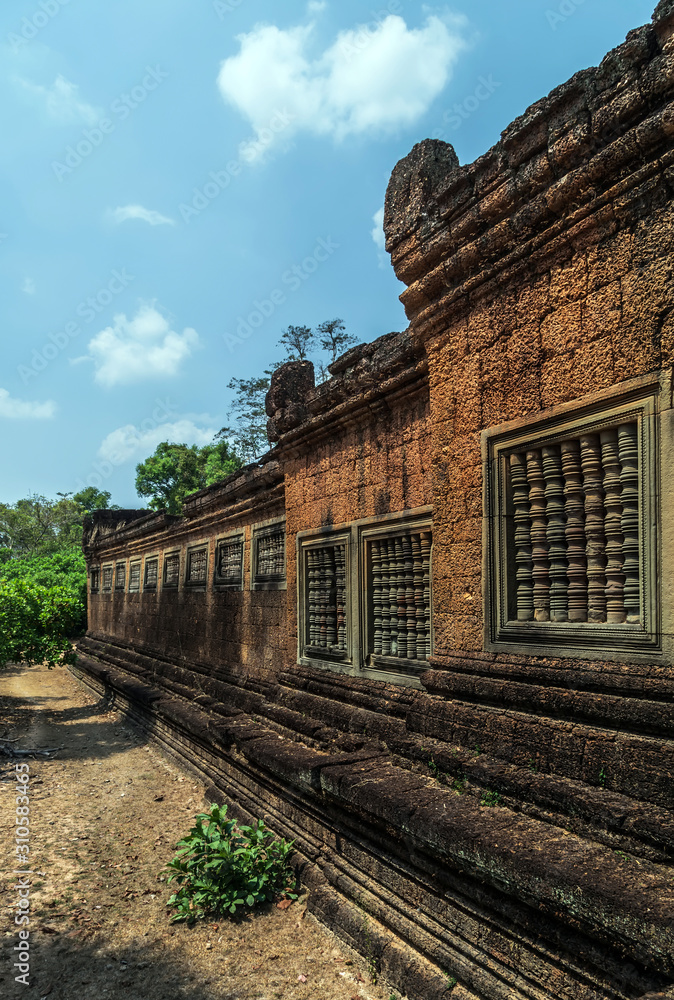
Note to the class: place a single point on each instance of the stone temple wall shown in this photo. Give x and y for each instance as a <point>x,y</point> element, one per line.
<point>429,634</point>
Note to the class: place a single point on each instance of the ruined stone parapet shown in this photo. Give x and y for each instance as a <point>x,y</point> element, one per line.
<point>574,169</point>
<point>100,525</point>
<point>360,376</point>
<point>286,399</point>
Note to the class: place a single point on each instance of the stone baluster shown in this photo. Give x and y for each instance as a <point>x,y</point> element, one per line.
<point>538,532</point>
<point>340,594</point>
<point>523,560</point>
<point>426,539</point>
<point>590,458</point>
<point>410,610</point>
<point>330,596</point>
<point>555,533</point>
<point>419,597</point>
<point>615,605</point>
<point>629,479</point>
<point>574,506</point>
<point>385,604</point>
<point>376,597</point>
<point>311,575</point>
<point>400,597</point>
<point>393,595</point>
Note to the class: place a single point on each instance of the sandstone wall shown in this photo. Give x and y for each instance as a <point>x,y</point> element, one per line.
<point>537,274</point>
<point>243,630</point>
<point>502,819</point>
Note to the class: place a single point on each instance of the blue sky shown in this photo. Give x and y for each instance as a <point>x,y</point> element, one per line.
<point>182,180</point>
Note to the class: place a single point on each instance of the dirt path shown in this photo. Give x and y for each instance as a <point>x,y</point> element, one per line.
<point>105,813</point>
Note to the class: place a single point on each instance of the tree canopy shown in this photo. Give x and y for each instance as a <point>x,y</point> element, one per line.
<point>248,418</point>
<point>36,525</point>
<point>174,471</point>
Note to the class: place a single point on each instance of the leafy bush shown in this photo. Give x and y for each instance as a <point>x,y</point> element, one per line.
<point>36,623</point>
<point>222,867</point>
<point>66,569</point>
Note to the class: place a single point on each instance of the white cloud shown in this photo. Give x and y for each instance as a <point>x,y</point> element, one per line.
<point>139,212</point>
<point>130,442</point>
<point>28,286</point>
<point>316,6</point>
<point>62,101</point>
<point>378,238</point>
<point>374,78</point>
<point>143,347</point>
<point>17,409</point>
<point>377,231</point>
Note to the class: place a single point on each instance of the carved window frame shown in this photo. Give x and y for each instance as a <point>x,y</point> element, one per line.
<point>396,533</point>
<point>225,583</point>
<point>267,581</point>
<point>120,577</point>
<point>635,403</point>
<point>309,547</point>
<point>133,565</point>
<point>192,551</point>
<point>170,554</point>
<point>105,569</point>
<point>357,537</point>
<point>94,579</point>
<point>150,588</point>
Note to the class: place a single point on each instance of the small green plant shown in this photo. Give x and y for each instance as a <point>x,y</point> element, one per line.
<point>490,798</point>
<point>478,751</point>
<point>433,768</point>
<point>223,867</point>
<point>533,767</point>
<point>369,952</point>
<point>602,778</point>
<point>459,784</point>
<point>622,855</point>
<point>37,623</point>
<point>451,981</point>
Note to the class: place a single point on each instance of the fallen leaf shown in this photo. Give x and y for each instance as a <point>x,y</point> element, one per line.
<point>284,904</point>
<point>301,979</point>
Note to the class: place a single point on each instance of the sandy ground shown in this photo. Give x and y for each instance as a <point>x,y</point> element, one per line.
<point>105,813</point>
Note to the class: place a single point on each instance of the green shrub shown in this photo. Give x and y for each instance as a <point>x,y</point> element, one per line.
<point>66,568</point>
<point>36,623</point>
<point>222,867</point>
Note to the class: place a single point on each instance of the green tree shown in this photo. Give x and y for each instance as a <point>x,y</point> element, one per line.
<point>37,623</point>
<point>248,431</point>
<point>35,525</point>
<point>176,470</point>
<point>297,342</point>
<point>333,338</point>
<point>90,499</point>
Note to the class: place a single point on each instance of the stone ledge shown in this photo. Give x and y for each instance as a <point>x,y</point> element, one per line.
<point>526,859</point>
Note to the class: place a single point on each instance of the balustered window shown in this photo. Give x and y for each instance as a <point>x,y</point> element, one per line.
<point>197,567</point>
<point>151,574</point>
<point>326,617</point>
<point>120,577</point>
<point>134,577</point>
<point>572,556</point>
<point>94,579</point>
<point>171,570</point>
<point>365,596</point>
<point>229,563</point>
<point>107,579</point>
<point>398,590</point>
<point>268,554</point>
